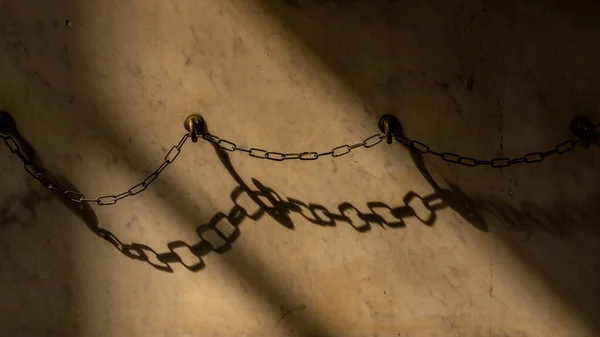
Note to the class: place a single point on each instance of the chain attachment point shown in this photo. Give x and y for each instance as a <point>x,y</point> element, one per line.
<point>390,126</point>
<point>584,130</point>
<point>194,124</point>
<point>8,126</point>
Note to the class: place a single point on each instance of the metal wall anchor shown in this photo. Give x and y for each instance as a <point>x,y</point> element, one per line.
<point>8,126</point>
<point>194,124</point>
<point>390,126</point>
<point>584,130</point>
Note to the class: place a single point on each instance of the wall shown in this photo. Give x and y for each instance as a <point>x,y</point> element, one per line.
<point>380,242</point>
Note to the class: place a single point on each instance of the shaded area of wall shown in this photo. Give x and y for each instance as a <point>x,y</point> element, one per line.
<point>39,241</point>
<point>454,77</point>
<point>483,79</point>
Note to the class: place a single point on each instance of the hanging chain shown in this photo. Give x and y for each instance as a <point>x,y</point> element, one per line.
<point>77,197</point>
<point>500,162</point>
<point>278,156</point>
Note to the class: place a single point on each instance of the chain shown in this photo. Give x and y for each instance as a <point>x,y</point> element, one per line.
<point>500,162</point>
<point>78,197</point>
<point>278,156</point>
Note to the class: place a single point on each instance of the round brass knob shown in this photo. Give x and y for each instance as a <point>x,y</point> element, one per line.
<point>194,124</point>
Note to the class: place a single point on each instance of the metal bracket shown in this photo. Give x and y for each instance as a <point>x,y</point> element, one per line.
<point>7,123</point>
<point>584,130</point>
<point>390,126</point>
<point>194,124</point>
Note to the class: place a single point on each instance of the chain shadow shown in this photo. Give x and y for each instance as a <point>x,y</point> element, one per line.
<point>223,230</point>
<point>558,243</point>
<point>376,48</point>
<point>219,234</point>
<point>478,211</point>
<point>527,217</point>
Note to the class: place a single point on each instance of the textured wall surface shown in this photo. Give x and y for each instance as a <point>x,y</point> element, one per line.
<point>99,90</point>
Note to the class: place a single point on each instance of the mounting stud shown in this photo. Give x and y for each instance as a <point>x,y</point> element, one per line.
<point>7,123</point>
<point>389,125</point>
<point>194,124</point>
<point>584,130</point>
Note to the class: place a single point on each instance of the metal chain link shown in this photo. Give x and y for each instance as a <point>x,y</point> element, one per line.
<point>78,197</point>
<point>500,162</point>
<point>278,156</point>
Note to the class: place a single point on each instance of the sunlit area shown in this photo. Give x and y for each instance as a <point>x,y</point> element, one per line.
<point>299,168</point>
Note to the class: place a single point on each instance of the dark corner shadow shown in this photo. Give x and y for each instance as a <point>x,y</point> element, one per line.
<point>31,198</point>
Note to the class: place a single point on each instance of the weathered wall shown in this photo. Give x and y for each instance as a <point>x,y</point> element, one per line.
<point>508,252</point>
